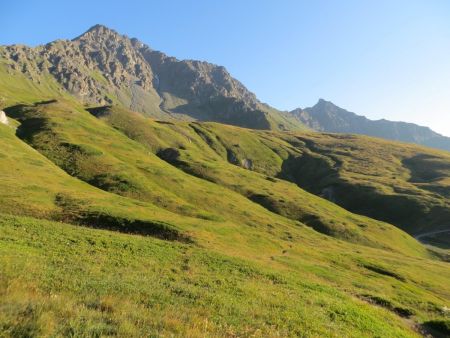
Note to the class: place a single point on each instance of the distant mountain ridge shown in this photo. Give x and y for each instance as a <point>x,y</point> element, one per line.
<point>102,67</point>
<point>327,117</point>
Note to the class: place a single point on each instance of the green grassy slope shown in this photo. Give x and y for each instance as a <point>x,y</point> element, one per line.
<point>232,249</point>
<point>62,280</point>
<point>380,179</point>
<point>89,149</point>
<point>402,184</point>
<point>32,185</point>
<point>399,183</point>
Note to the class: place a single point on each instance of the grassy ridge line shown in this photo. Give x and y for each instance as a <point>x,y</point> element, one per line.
<point>90,150</point>
<point>399,183</point>
<point>32,185</point>
<point>196,149</point>
<point>402,184</point>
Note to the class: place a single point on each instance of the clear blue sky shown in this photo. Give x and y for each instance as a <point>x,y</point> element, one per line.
<point>380,58</point>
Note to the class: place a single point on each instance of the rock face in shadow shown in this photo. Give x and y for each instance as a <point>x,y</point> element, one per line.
<point>327,117</point>
<point>102,67</point>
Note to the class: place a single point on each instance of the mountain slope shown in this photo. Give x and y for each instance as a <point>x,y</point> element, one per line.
<point>327,117</point>
<point>231,265</point>
<point>85,282</point>
<point>103,67</point>
<point>31,185</point>
<point>405,185</point>
<point>92,151</point>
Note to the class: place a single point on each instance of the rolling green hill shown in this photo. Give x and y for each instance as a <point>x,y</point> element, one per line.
<point>90,150</point>
<point>405,185</point>
<point>212,227</point>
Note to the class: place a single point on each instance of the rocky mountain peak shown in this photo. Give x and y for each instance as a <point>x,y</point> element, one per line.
<point>99,66</point>
<point>99,33</point>
<point>324,104</point>
<point>103,67</point>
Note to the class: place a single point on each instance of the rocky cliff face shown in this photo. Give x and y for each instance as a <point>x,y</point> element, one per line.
<point>102,67</point>
<point>327,117</point>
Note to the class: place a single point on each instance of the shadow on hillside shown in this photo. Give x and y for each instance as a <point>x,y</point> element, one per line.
<point>318,175</point>
<point>438,240</point>
<point>425,170</point>
<point>227,111</point>
<point>27,126</point>
<point>146,228</point>
<point>72,211</point>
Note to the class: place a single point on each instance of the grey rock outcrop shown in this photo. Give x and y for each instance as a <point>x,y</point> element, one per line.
<point>3,118</point>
